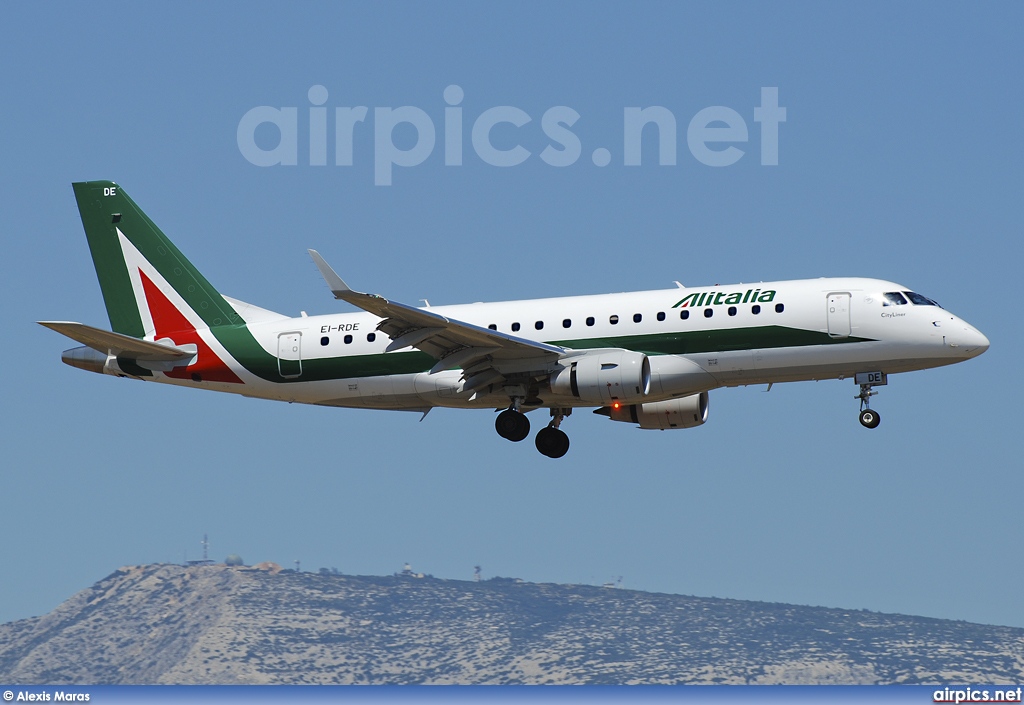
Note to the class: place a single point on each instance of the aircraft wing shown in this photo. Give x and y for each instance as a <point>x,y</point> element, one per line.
<point>481,352</point>
<point>109,343</point>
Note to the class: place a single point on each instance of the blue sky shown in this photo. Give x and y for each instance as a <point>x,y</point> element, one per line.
<point>900,158</point>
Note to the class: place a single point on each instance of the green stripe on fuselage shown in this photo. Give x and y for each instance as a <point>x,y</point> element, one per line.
<point>243,347</point>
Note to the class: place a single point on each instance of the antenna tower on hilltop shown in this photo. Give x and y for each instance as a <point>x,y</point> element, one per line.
<point>205,543</point>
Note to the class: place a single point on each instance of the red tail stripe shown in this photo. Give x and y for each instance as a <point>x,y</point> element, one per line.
<point>170,323</point>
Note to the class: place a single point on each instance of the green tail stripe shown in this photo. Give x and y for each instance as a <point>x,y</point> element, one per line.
<point>105,207</point>
<point>108,260</point>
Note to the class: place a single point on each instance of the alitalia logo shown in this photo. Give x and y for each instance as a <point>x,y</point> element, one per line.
<point>717,298</point>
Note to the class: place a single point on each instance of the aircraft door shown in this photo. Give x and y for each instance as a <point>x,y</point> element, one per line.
<point>289,354</point>
<point>839,315</point>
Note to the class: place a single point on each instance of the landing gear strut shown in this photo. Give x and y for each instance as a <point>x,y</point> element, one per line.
<point>551,440</point>
<point>868,417</point>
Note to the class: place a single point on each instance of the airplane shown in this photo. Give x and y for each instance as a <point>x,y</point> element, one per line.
<point>648,358</point>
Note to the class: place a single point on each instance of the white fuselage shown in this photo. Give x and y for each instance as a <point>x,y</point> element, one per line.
<point>804,330</point>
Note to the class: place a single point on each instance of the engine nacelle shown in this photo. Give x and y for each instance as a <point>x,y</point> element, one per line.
<point>672,375</point>
<point>685,412</point>
<point>604,377</point>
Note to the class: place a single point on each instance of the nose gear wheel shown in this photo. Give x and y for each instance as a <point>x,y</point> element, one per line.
<point>868,417</point>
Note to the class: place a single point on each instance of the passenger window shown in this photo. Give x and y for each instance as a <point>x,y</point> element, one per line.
<point>893,298</point>
<point>493,326</point>
<point>348,339</point>
<point>590,320</point>
<point>755,309</point>
<point>732,310</point>
<point>709,312</point>
<point>539,325</point>
<point>566,323</point>
<point>779,308</point>
<point>613,320</point>
<point>515,327</point>
<point>370,337</point>
<point>325,340</point>
<point>684,314</point>
<point>661,315</point>
<point>637,318</point>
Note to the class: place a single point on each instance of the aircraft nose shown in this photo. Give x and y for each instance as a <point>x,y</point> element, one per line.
<point>967,340</point>
<point>975,342</point>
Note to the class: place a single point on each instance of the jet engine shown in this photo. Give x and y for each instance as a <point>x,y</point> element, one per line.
<point>685,412</point>
<point>604,377</point>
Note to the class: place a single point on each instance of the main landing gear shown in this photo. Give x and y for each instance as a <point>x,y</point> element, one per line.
<point>512,424</point>
<point>551,441</point>
<point>868,417</point>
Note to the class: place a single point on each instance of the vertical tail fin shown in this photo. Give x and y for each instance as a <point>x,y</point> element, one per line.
<point>136,264</point>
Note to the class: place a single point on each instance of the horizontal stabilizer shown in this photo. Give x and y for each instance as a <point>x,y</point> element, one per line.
<point>119,345</point>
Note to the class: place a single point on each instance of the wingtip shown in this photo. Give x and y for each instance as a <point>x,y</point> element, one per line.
<point>336,284</point>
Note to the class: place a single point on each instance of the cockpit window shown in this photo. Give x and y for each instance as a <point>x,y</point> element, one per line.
<point>893,298</point>
<point>920,300</point>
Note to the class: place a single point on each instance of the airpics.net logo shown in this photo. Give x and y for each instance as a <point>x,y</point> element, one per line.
<point>712,134</point>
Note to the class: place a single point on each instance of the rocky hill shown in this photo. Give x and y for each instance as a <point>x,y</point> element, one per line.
<point>218,624</point>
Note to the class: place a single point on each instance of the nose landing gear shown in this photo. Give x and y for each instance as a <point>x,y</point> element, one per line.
<point>868,417</point>
<point>867,380</point>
